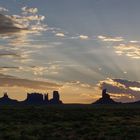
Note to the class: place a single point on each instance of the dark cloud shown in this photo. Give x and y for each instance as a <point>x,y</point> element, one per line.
<point>121,86</point>
<point>12,81</point>
<point>128,83</point>
<point>9,53</point>
<point>29,21</point>
<point>8,67</point>
<point>7,25</point>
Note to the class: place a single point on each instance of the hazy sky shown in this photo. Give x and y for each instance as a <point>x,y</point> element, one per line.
<point>75,46</point>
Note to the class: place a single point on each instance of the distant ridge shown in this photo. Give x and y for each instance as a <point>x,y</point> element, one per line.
<point>33,99</point>
<point>136,102</point>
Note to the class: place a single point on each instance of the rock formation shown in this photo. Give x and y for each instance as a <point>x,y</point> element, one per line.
<point>56,98</point>
<point>33,99</point>
<point>6,100</point>
<point>105,99</point>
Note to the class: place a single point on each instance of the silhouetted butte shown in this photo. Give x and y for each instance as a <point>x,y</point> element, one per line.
<point>105,99</point>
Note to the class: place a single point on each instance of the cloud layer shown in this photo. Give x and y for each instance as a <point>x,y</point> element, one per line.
<point>110,39</point>
<point>12,81</point>
<point>122,87</point>
<point>130,50</point>
<point>7,25</point>
<point>29,20</point>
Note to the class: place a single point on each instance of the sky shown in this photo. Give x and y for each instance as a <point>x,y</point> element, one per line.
<point>77,47</point>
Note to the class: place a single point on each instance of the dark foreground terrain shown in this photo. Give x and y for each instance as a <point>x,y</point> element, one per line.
<point>70,122</point>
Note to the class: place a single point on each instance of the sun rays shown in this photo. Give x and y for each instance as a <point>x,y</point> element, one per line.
<point>77,52</point>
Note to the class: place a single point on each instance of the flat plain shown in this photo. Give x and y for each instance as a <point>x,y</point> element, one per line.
<point>70,122</point>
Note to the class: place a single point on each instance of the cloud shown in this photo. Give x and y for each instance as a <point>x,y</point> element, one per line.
<point>112,83</point>
<point>60,34</point>
<point>121,87</point>
<point>16,30</point>
<point>41,70</point>
<point>12,81</point>
<point>15,54</point>
<point>130,50</point>
<point>84,37</point>
<point>110,39</point>
<point>7,25</point>
<point>79,84</point>
<point>28,21</point>
<point>134,41</point>
<point>7,53</point>
<point>38,70</point>
<point>35,70</point>
<point>7,68</point>
<point>29,10</point>
<point>135,88</point>
<point>2,9</point>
